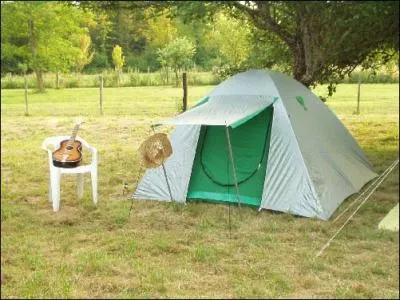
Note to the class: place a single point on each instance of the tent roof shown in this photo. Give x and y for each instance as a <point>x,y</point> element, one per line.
<point>226,110</point>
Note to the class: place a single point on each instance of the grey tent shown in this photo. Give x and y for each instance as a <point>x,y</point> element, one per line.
<point>263,139</point>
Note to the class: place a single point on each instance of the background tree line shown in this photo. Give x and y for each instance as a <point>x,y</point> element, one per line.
<point>316,42</point>
<point>91,36</point>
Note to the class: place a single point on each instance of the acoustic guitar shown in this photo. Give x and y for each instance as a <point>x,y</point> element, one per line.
<point>69,154</point>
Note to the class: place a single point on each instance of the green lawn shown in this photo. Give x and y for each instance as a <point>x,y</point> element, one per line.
<point>171,250</point>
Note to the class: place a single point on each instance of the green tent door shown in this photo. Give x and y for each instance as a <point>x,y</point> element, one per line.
<point>212,174</point>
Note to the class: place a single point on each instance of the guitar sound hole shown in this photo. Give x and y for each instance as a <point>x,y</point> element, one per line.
<point>70,147</point>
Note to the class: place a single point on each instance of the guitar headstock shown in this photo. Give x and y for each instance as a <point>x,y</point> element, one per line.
<point>79,121</point>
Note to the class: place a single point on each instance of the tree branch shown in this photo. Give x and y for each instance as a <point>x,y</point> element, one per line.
<point>273,25</point>
<point>261,16</point>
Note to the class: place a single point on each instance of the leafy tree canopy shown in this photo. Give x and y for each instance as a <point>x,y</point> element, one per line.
<point>177,54</point>
<point>322,40</point>
<point>118,58</point>
<point>46,36</point>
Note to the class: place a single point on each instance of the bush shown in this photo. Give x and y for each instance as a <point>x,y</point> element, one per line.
<point>71,83</point>
<point>369,77</point>
<point>100,62</point>
<point>135,78</point>
<point>11,82</point>
<point>110,79</point>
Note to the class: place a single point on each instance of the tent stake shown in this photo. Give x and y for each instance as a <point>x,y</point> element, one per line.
<point>233,164</point>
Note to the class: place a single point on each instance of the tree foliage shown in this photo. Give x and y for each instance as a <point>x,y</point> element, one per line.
<point>118,58</point>
<point>177,54</point>
<point>85,54</point>
<point>230,38</point>
<point>316,42</point>
<point>43,35</point>
<point>321,40</point>
<point>327,40</point>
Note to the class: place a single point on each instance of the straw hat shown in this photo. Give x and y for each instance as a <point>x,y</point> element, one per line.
<point>155,150</point>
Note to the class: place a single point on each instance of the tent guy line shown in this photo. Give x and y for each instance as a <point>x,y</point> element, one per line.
<point>389,170</point>
<point>365,190</point>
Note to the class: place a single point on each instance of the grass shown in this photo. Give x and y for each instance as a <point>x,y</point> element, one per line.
<point>167,250</point>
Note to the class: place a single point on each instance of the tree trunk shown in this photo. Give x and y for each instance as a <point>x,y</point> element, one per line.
<point>33,44</point>
<point>176,78</point>
<point>57,80</point>
<point>26,95</point>
<point>302,72</point>
<point>40,82</point>
<point>101,94</point>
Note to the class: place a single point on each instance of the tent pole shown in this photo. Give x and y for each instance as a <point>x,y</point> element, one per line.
<point>165,174</point>
<point>166,179</point>
<point>233,164</point>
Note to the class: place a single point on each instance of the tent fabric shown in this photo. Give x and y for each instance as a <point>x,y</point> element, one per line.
<point>314,163</point>
<point>288,186</point>
<point>391,220</point>
<point>178,167</point>
<point>334,161</point>
<point>222,110</point>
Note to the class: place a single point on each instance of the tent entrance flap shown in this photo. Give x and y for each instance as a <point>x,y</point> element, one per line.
<point>212,176</point>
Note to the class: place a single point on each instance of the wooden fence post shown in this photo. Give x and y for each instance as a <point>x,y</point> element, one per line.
<point>101,94</point>
<point>184,77</point>
<point>358,96</point>
<point>26,95</point>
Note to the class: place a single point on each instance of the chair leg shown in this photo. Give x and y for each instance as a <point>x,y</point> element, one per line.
<point>79,180</point>
<point>55,188</point>
<point>94,185</point>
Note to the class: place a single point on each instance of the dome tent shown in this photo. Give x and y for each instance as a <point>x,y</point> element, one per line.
<point>263,139</point>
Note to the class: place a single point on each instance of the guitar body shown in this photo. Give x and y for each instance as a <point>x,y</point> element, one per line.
<point>69,154</point>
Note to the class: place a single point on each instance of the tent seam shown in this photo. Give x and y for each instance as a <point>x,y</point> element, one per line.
<point>321,211</point>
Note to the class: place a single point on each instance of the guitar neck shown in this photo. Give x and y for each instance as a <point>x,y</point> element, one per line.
<point>74,133</point>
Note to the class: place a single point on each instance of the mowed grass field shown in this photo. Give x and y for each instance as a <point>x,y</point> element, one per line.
<point>179,251</point>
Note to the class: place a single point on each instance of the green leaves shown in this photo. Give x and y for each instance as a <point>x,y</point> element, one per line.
<point>177,54</point>
<point>46,36</point>
<point>118,58</point>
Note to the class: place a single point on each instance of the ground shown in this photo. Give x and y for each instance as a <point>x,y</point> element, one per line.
<point>172,250</point>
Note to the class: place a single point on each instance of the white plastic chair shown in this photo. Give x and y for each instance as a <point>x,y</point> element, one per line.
<point>55,172</point>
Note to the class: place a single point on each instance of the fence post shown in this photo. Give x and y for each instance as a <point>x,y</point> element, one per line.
<point>101,94</point>
<point>26,95</point>
<point>184,77</point>
<point>57,81</point>
<point>358,96</point>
